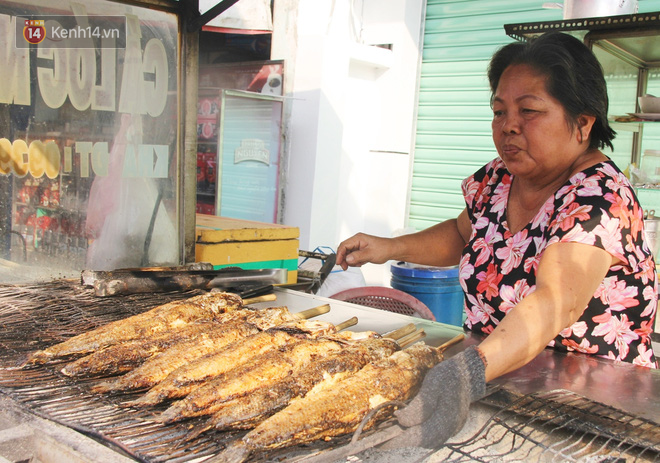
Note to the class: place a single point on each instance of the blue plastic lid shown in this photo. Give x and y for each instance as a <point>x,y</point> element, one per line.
<point>405,269</point>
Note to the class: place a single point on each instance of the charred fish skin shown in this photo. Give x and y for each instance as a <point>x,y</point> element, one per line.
<point>158,319</point>
<point>158,367</point>
<point>339,410</point>
<point>124,357</point>
<point>273,365</point>
<point>246,412</point>
<point>189,377</point>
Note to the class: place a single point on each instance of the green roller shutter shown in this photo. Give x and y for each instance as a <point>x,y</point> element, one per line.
<point>453,136</point>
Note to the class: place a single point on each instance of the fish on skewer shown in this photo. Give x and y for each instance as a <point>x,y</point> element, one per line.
<point>329,412</point>
<point>247,411</point>
<point>163,318</point>
<point>268,368</point>
<point>190,376</point>
<point>157,368</point>
<point>124,357</point>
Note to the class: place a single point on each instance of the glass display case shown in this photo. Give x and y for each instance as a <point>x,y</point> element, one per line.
<point>239,137</point>
<point>88,137</point>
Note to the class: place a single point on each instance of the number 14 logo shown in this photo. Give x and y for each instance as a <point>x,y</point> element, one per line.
<point>34,31</point>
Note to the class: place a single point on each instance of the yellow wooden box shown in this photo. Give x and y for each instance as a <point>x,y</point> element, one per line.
<point>226,242</point>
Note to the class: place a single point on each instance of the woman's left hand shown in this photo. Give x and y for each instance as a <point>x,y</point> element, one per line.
<point>440,408</point>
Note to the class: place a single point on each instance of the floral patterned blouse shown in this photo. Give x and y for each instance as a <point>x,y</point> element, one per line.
<point>596,206</point>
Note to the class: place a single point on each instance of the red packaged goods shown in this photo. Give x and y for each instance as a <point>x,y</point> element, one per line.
<point>201,168</point>
<point>210,169</point>
<point>207,118</point>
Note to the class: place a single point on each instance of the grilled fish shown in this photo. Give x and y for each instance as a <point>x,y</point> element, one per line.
<point>165,317</point>
<point>189,377</point>
<point>272,366</point>
<point>156,369</point>
<point>124,357</point>
<point>247,411</point>
<point>332,411</point>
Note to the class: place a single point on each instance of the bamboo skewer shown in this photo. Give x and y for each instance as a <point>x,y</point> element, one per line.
<point>313,312</point>
<point>400,332</point>
<point>412,338</point>
<point>455,340</point>
<point>347,324</point>
<point>264,298</point>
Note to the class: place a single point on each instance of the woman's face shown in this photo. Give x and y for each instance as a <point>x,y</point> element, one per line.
<point>530,128</point>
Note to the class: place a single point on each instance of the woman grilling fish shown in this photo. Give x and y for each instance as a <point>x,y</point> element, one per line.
<point>550,246</point>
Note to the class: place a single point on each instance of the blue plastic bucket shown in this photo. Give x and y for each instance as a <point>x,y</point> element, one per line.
<point>437,287</point>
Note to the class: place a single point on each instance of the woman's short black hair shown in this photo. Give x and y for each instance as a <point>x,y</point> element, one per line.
<point>575,78</point>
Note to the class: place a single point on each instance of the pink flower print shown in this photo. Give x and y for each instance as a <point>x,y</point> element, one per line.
<point>618,182</point>
<point>588,186</point>
<point>646,270</point>
<point>585,347</point>
<point>465,270</point>
<point>512,295</point>
<point>478,311</point>
<point>501,196</point>
<point>514,251</point>
<point>636,221</point>
<point>609,232</point>
<point>645,357</point>
<point>578,329</point>
<point>576,235</point>
<point>470,190</point>
<point>650,294</point>
<point>485,245</point>
<point>532,263</point>
<point>616,295</point>
<point>566,218</point>
<point>480,222</point>
<point>543,215</point>
<point>489,281</point>
<point>645,330</point>
<point>615,331</point>
<point>619,208</point>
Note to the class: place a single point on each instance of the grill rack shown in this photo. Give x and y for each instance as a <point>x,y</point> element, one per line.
<point>35,316</point>
<point>556,426</point>
<point>550,426</point>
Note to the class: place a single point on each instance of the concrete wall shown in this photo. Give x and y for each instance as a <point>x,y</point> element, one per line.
<point>350,116</point>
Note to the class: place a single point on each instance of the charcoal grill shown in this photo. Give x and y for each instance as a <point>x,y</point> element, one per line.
<point>555,426</point>
<point>33,317</point>
<point>544,426</point>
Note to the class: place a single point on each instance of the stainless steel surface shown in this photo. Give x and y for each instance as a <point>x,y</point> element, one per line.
<point>627,387</point>
<point>630,388</point>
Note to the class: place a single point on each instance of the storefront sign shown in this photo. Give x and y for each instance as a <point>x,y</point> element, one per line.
<point>86,76</point>
<point>252,149</point>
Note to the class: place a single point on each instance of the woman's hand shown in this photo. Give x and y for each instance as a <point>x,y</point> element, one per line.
<point>440,408</point>
<point>439,245</point>
<point>361,249</point>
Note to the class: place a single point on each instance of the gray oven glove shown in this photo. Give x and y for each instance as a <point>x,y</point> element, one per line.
<point>440,408</point>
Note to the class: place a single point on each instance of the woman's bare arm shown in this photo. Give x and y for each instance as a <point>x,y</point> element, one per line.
<point>439,245</point>
<point>567,278</point>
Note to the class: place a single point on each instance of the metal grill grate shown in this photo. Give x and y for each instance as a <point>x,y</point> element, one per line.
<point>35,316</point>
<point>556,426</point>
